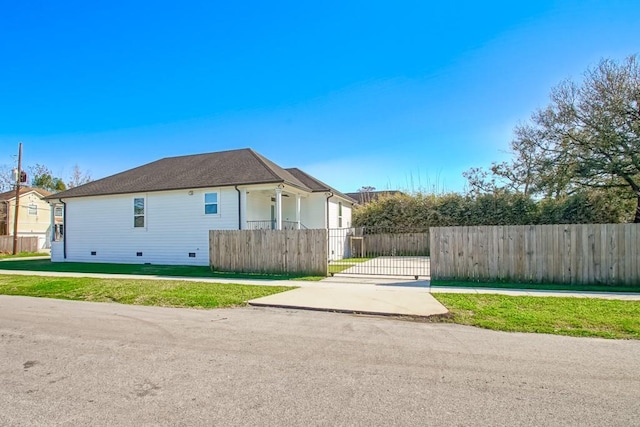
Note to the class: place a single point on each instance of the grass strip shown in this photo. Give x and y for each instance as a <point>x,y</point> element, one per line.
<point>340,265</point>
<point>165,293</point>
<point>535,286</point>
<point>22,255</point>
<point>579,317</point>
<point>142,269</point>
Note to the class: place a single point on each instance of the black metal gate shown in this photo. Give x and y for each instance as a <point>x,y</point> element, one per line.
<point>379,251</point>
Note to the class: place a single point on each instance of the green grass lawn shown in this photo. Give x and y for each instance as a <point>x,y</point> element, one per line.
<point>538,286</point>
<point>583,317</point>
<point>342,264</point>
<point>165,293</point>
<point>143,269</point>
<point>22,255</point>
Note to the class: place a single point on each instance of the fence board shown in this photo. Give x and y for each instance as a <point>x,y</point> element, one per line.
<point>25,244</point>
<point>397,244</point>
<point>269,251</point>
<point>572,254</point>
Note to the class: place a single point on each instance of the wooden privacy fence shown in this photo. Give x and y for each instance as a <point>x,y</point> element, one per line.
<point>25,244</point>
<point>384,241</point>
<point>396,244</point>
<point>269,251</point>
<point>572,254</point>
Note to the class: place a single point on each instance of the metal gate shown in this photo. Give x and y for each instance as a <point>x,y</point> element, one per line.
<point>379,251</point>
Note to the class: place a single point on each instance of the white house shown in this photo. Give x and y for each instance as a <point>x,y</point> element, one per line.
<point>33,214</point>
<point>161,212</point>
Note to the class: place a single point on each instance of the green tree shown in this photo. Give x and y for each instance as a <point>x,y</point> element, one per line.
<point>588,137</point>
<point>593,129</point>
<point>42,177</point>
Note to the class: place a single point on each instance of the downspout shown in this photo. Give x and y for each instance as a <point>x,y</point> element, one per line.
<point>239,208</point>
<point>64,230</point>
<point>329,195</point>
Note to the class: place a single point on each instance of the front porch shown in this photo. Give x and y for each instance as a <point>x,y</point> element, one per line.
<point>281,208</point>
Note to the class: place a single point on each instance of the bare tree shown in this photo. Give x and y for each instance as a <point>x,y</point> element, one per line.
<point>78,177</point>
<point>7,180</point>
<point>366,191</point>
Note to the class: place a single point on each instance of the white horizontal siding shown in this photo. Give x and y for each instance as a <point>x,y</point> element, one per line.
<point>313,212</point>
<point>57,252</point>
<point>347,210</point>
<point>259,206</point>
<point>175,225</point>
<point>334,210</point>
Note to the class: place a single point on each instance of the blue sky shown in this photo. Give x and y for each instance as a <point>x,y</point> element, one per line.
<point>402,94</point>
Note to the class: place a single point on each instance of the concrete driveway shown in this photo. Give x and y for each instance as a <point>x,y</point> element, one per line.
<point>391,266</point>
<point>65,363</point>
<point>345,297</point>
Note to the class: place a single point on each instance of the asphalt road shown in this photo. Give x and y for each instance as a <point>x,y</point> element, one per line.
<point>75,363</point>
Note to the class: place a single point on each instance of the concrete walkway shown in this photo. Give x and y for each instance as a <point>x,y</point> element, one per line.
<point>390,266</point>
<point>364,294</point>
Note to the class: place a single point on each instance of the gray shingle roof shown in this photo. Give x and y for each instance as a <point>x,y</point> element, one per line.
<point>220,169</point>
<point>364,197</point>
<point>315,184</point>
<point>10,195</point>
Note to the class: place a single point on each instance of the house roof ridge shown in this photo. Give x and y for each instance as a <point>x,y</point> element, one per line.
<point>316,180</point>
<point>182,156</point>
<point>322,185</point>
<point>291,179</point>
<point>262,160</point>
<point>243,166</point>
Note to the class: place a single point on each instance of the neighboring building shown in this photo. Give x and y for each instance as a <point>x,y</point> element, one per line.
<point>161,212</point>
<point>34,214</point>
<point>364,197</point>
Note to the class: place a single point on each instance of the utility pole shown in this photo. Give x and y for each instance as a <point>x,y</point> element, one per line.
<point>15,217</point>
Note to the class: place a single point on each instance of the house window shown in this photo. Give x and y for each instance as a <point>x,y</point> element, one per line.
<point>211,203</point>
<point>339,214</point>
<point>138,212</point>
<point>33,209</point>
<point>58,211</point>
<point>58,232</point>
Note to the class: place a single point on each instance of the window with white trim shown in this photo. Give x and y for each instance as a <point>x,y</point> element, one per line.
<point>211,203</point>
<point>339,214</point>
<point>138,212</point>
<point>33,209</point>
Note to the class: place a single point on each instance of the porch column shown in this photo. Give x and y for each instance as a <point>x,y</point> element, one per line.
<point>298,211</point>
<point>243,209</point>
<point>278,208</point>
<point>52,223</point>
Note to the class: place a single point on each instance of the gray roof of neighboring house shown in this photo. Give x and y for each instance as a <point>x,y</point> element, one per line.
<point>10,195</point>
<point>363,197</point>
<point>219,169</point>
<point>316,185</point>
